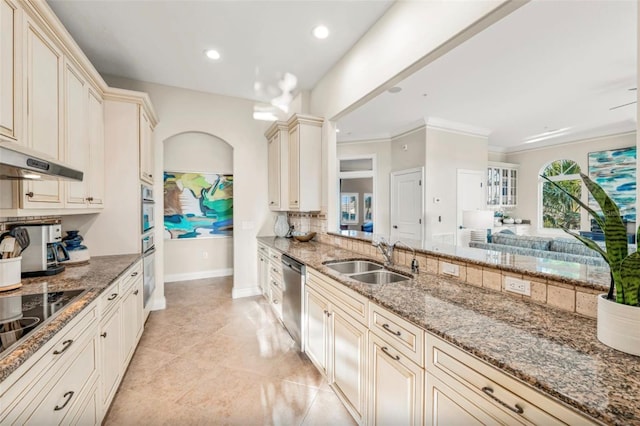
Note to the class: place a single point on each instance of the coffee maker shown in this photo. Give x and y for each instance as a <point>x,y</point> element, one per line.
<point>46,251</point>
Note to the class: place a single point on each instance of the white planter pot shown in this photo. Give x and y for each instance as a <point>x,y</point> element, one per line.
<point>619,325</point>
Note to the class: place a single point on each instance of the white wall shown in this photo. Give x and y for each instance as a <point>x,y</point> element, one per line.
<point>230,119</point>
<point>532,162</point>
<point>408,150</point>
<point>195,258</point>
<point>408,37</point>
<point>446,152</point>
<point>382,152</point>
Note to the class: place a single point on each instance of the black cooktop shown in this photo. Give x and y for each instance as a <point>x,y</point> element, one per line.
<point>22,314</point>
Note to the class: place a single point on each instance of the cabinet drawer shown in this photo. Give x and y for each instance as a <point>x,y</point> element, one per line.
<point>503,395</point>
<point>275,270</point>
<point>110,297</point>
<point>406,337</point>
<point>275,256</point>
<point>70,388</point>
<point>129,277</point>
<point>348,300</point>
<point>263,249</point>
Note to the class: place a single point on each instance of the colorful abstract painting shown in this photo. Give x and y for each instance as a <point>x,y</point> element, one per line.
<point>615,172</point>
<point>197,205</point>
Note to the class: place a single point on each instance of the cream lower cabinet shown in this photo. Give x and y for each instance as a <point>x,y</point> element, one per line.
<point>58,382</point>
<point>132,317</point>
<point>395,386</point>
<point>462,389</point>
<point>263,270</point>
<point>336,339</point>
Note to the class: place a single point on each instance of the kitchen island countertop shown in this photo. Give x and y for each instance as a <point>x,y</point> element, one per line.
<point>94,277</point>
<point>554,351</point>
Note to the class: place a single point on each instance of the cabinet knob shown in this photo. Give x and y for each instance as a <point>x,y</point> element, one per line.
<point>150,175</point>
<point>136,292</point>
<point>103,334</point>
<point>89,199</point>
<point>295,202</point>
<point>272,203</point>
<point>29,194</point>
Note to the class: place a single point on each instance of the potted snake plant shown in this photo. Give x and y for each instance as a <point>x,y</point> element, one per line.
<point>619,310</point>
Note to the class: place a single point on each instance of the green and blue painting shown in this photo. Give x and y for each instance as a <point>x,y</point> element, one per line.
<point>197,205</point>
<point>615,171</point>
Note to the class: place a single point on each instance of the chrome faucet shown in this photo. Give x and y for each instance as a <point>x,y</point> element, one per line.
<point>386,249</point>
<point>415,268</point>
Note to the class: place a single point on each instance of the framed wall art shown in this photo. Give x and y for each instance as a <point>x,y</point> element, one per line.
<point>615,171</point>
<point>197,205</point>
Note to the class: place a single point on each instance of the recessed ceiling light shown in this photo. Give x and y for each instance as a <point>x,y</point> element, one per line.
<point>321,32</point>
<point>212,54</point>
<point>395,89</point>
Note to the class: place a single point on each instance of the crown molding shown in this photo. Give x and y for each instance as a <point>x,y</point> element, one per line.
<point>455,127</point>
<point>132,96</point>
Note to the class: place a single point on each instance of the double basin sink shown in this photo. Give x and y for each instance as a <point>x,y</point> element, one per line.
<point>366,272</point>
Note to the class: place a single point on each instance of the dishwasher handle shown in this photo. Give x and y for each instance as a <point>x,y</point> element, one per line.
<point>290,263</point>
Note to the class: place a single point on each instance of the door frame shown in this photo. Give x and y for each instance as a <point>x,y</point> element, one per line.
<point>422,196</point>
<point>373,173</point>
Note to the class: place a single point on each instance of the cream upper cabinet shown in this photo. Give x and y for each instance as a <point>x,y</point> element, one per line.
<point>146,147</point>
<point>76,131</point>
<point>84,139</point>
<point>305,158</point>
<point>9,71</point>
<point>278,137</point>
<point>96,169</point>
<point>44,64</point>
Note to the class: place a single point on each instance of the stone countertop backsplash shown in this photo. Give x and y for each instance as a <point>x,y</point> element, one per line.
<point>554,351</point>
<point>94,277</point>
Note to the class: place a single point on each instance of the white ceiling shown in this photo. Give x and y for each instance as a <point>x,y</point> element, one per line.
<point>163,41</point>
<point>550,65</point>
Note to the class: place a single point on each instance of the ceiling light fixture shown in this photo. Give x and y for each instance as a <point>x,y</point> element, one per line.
<point>395,89</point>
<point>212,54</point>
<point>321,32</point>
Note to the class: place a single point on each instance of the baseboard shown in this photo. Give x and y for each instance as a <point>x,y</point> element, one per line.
<point>188,276</point>
<point>238,293</point>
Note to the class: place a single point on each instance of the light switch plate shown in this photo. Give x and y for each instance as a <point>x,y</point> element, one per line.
<point>516,285</point>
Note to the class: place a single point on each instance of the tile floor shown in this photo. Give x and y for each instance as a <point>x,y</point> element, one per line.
<point>209,359</point>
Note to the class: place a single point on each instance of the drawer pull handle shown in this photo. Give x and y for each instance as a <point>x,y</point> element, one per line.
<point>135,293</point>
<point>386,351</point>
<point>65,346</point>
<point>134,274</point>
<point>29,194</point>
<point>67,395</point>
<point>386,327</point>
<point>103,334</point>
<point>488,391</point>
<point>275,301</point>
<point>113,296</point>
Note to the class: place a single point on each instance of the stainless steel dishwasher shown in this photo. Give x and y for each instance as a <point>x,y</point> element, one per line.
<point>292,272</point>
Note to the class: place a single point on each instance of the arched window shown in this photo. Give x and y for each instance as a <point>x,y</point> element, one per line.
<point>558,210</point>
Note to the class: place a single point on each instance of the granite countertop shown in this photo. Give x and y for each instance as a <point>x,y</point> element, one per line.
<point>554,351</point>
<point>93,277</point>
<point>589,276</point>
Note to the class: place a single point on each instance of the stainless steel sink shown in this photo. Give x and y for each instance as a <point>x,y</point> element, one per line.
<point>354,266</point>
<point>379,277</point>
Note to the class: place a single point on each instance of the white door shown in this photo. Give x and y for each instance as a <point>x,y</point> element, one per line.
<point>471,196</point>
<point>406,205</point>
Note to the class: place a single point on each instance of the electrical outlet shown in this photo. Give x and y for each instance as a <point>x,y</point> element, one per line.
<point>205,254</point>
<point>450,269</point>
<point>516,285</point>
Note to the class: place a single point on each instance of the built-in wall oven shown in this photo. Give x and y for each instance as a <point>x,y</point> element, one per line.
<point>148,244</point>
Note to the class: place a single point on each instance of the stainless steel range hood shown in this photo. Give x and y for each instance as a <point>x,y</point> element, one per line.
<point>20,163</point>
